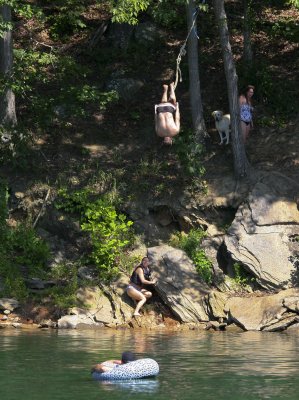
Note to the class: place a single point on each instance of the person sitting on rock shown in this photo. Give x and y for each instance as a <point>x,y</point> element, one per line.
<point>106,366</point>
<point>167,115</point>
<point>141,276</point>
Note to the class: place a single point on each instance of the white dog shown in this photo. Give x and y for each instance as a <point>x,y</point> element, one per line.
<point>222,123</point>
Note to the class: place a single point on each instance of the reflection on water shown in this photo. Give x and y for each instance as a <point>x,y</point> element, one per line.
<point>54,365</point>
<point>133,385</point>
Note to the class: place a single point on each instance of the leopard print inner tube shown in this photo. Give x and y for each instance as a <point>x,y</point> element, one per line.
<point>143,368</point>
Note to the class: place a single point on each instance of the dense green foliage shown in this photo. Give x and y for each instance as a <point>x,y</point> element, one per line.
<point>63,294</point>
<point>241,276</point>
<point>110,231</point>
<point>294,3</point>
<point>190,243</point>
<point>128,10</point>
<point>23,254</point>
<point>190,154</point>
<point>47,68</point>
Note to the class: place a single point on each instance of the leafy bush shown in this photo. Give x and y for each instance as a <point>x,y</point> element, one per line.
<point>190,154</point>
<point>52,72</point>
<point>110,234</point>
<point>110,231</point>
<point>128,10</point>
<point>66,18</point>
<point>287,28</point>
<point>241,276</point>
<point>63,295</point>
<point>22,252</point>
<point>170,14</point>
<point>14,145</point>
<point>190,243</point>
<point>271,91</point>
<point>75,202</point>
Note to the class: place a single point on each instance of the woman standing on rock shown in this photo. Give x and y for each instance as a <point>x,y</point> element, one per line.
<point>246,111</point>
<point>141,276</point>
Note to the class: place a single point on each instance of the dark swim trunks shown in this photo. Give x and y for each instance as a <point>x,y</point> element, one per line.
<point>163,109</point>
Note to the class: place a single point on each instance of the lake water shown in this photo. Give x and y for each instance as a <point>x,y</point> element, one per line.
<point>55,365</point>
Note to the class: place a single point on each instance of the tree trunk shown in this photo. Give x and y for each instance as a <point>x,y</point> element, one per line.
<point>200,132</point>
<point>241,165</point>
<point>247,49</point>
<point>7,97</point>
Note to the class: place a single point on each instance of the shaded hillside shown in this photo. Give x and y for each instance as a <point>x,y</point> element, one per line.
<point>70,117</point>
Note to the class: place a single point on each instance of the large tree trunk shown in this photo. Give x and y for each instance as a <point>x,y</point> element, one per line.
<point>200,132</point>
<point>247,49</point>
<point>241,165</point>
<point>7,97</point>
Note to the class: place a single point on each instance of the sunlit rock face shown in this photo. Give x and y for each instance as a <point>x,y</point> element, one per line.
<point>179,285</point>
<point>267,313</point>
<point>264,234</point>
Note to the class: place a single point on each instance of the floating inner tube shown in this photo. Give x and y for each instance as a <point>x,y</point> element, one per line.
<point>133,370</point>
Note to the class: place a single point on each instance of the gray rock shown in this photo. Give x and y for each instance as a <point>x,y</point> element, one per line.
<point>8,304</point>
<point>225,192</point>
<point>38,284</point>
<point>72,321</point>
<point>294,328</point>
<point>216,304</point>
<point>146,33</point>
<point>179,285</point>
<point>126,88</point>
<point>106,308</point>
<point>86,273</point>
<point>291,303</point>
<point>260,237</point>
<point>286,320</point>
<point>258,313</point>
<point>47,323</point>
<point>120,35</point>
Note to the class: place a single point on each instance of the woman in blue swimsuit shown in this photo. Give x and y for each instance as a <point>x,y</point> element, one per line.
<point>246,111</point>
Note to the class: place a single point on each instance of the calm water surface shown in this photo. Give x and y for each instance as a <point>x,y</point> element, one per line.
<point>195,365</point>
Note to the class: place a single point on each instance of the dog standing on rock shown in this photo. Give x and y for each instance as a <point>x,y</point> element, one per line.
<point>222,123</point>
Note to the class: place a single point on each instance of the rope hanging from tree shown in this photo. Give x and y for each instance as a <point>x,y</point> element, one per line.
<point>178,74</point>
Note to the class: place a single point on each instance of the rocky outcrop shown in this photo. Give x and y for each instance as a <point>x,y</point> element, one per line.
<point>215,302</point>
<point>263,236</point>
<point>179,285</point>
<point>78,319</point>
<point>8,304</point>
<point>98,304</point>
<point>264,313</point>
<point>126,88</point>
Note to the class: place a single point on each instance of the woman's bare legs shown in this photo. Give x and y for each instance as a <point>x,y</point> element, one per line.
<point>139,297</point>
<point>172,97</point>
<point>245,130</point>
<point>165,94</point>
<point>138,306</point>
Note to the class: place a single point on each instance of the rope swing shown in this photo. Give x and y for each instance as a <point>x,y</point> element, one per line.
<point>183,51</point>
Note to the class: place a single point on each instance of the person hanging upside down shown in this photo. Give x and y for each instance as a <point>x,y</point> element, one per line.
<point>167,115</point>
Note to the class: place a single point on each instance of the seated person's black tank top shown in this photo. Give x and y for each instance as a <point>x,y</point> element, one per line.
<point>135,278</point>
